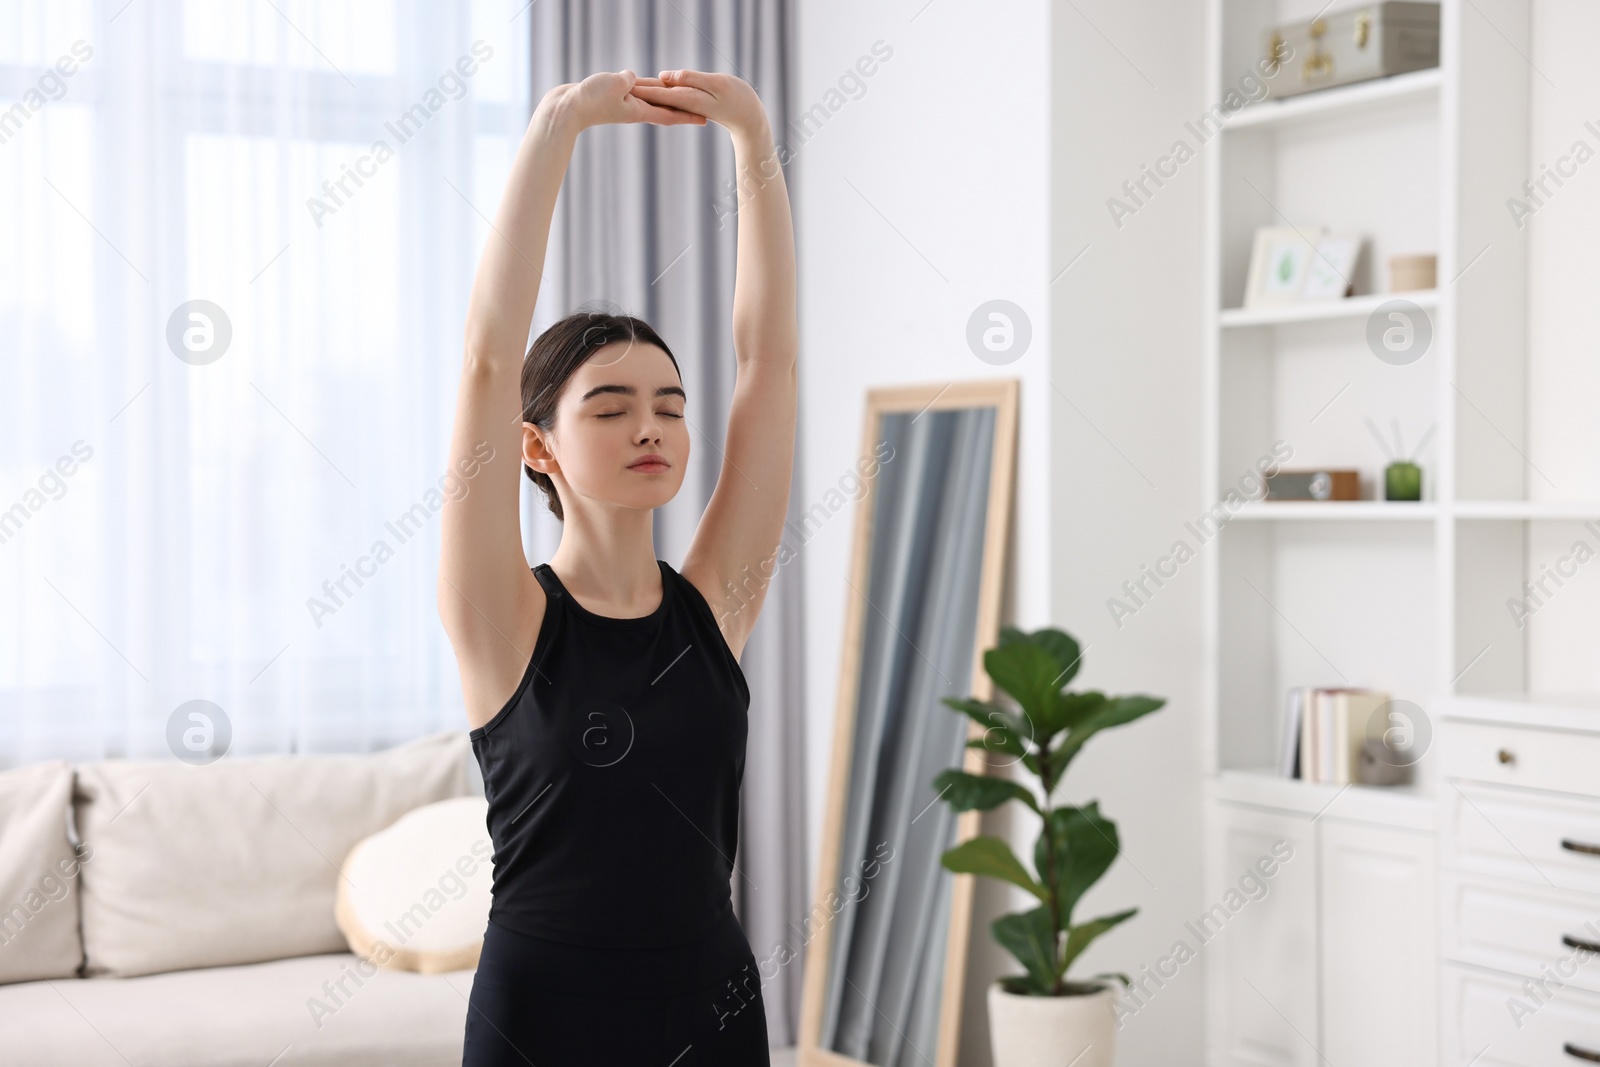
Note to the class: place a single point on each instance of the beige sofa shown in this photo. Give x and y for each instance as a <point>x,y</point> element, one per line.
<point>157,913</point>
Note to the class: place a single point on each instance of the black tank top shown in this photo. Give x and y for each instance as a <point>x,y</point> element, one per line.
<point>613,772</point>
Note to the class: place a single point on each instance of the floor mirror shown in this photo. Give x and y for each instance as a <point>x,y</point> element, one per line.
<point>888,924</point>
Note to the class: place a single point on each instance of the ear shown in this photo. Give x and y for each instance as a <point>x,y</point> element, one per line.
<point>536,451</point>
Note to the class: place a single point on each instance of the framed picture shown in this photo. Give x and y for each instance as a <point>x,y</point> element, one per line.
<point>1289,265</point>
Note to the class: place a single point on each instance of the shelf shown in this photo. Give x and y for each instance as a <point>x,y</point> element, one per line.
<point>1400,511</point>
<point>1322,311</point>
<point>1405,807</point>
<point>1375,95</point>
<point>1361,510</point>
<point>1580,712</point>
<point>1526,509</point>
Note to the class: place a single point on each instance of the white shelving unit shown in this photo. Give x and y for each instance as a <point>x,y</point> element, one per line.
<point>1409,598</point>
<point>1368,592</point>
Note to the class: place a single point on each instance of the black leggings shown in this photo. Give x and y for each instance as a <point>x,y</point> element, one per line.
<point>540,1003</point>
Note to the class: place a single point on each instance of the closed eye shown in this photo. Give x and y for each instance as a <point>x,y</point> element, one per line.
<point>614,414</point>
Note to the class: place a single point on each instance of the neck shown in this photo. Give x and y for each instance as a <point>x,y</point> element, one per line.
<point>610,565</point>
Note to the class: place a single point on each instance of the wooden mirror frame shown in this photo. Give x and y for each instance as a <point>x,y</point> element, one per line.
<point>1000,394</point>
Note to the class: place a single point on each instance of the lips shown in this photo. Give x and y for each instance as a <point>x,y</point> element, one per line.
<point>651,464</point>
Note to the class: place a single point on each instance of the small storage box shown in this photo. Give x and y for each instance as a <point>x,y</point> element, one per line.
<point>1352,44</point>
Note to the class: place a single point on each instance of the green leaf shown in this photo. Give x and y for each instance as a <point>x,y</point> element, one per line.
<point>1078,937</point>
<point>1062,648</point>
<point>1085,846</point>
<point>965,792</point>
<point>1119,710</point>
<point>1067,654</point>
<point>1006,732</point>
<point>1024,671</point>
<point>1030,937</point>
<point>1030,759</point>
<point>1067,710</point>
<point>1114,712</point>
<point>980,711</point>
<point>992,857</point>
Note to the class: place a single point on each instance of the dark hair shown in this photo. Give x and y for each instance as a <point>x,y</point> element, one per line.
<point>556,355</point>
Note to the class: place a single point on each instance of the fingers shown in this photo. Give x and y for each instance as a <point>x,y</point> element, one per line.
<point>671,116</point>
<point>697,79</point>
<point>681,97</point>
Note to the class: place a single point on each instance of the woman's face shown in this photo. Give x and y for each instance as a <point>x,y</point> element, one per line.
<point>625,402</point>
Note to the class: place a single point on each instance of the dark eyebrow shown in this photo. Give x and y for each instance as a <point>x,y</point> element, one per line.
<point>628,390</point>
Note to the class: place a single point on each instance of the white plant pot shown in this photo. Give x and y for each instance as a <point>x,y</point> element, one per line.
<point>1026,1031</point>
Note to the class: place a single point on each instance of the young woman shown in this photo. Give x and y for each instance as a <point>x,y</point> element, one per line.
<point>603,690</point>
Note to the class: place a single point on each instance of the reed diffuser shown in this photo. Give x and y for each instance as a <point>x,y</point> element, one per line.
<point>1402,478</point>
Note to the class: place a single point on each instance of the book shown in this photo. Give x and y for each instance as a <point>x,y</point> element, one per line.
<point>1325,700</point>
<point>1289,732</point>
<point>1352,709</point>
<point>1324,731</point>
<point>1310,732</point>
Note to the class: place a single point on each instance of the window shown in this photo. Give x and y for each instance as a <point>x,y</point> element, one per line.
<point>256,528</point>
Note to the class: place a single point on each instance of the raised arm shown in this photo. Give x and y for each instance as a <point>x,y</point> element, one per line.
<point>734,551</point>
<point>486,594</point>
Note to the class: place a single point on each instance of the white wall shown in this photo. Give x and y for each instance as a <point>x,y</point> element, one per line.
<point>915,203</point>
<point>1563,322</point>
<point>1563,316</point>
<point>1125,357</point>
<point>952,143</point>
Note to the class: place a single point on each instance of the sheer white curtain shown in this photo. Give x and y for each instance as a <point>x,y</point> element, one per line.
<point>237,500</point>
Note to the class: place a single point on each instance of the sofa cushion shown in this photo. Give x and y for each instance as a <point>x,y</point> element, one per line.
<point>38,875</point>
<point>415,896</point>
<point>305,1012</point>
<point>236,861</point>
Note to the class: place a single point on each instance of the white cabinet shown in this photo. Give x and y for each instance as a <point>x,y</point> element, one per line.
<point>1564,1031</point>
<point>1262,942</point>
<point>1320,941</point>
<point>1378,988</point>
<point>1519,928</point>
<point>1519,921</point>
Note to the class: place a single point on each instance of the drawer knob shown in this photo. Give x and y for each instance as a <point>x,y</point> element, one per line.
<point>1580,846</point>
<point>1505,755</point>
<point>1578,942</point>
<point>1580,1053</point>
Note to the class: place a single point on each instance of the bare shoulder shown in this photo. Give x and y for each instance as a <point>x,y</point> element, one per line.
<point>493,658</point>
<point>734,619</point>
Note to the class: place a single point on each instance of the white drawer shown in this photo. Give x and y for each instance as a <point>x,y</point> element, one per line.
<point>1481,1029</point>
<point>1548,839</point>
<point>1525,929</point>
<point>1561,760</point>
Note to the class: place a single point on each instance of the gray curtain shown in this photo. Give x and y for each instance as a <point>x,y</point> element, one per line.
<point>645,221</point>
<point>928,523</point>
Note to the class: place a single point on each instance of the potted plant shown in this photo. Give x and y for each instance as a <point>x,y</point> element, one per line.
<point>1040,1018</point>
